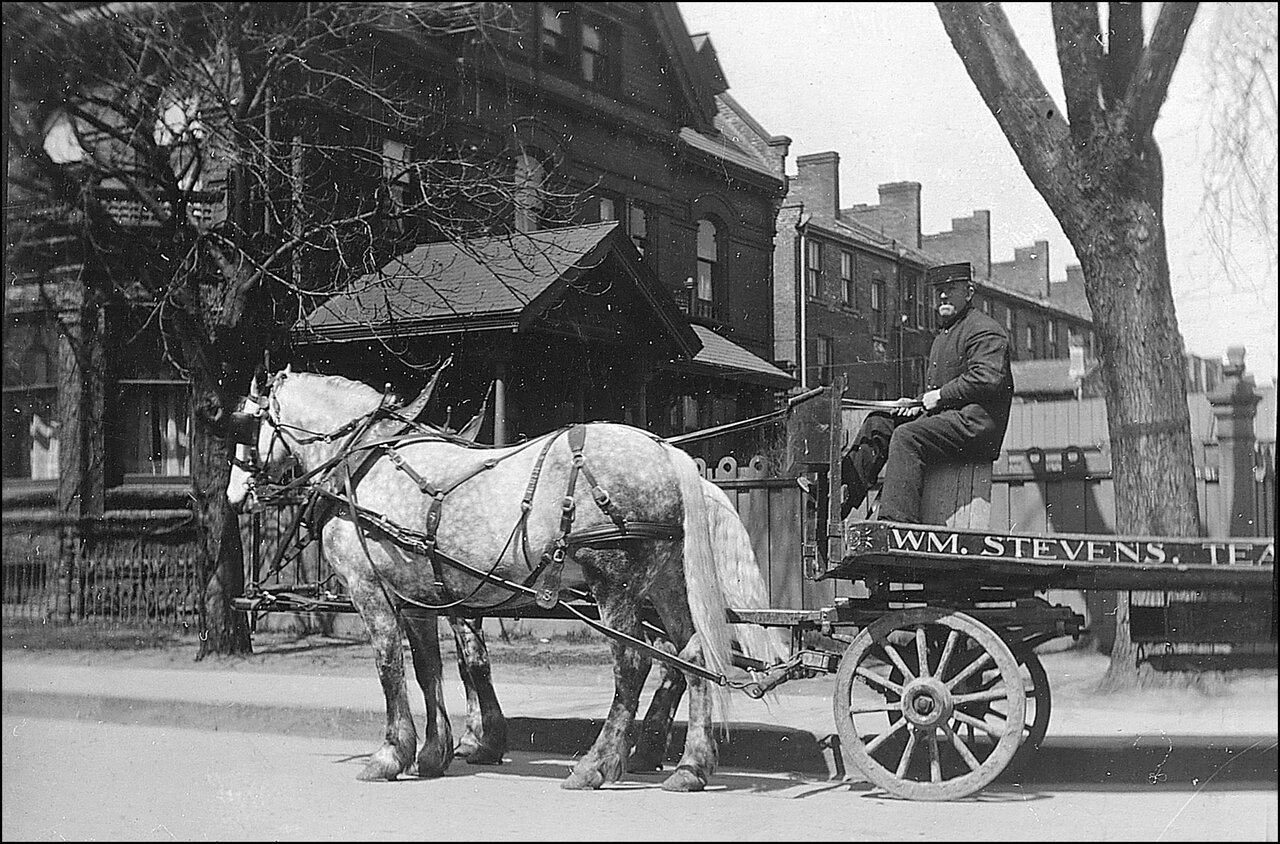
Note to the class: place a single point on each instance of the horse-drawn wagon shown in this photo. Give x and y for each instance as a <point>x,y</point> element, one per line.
<point>938,688</point>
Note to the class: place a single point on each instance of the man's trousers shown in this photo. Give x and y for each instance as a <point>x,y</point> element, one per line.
<point>903,446</point>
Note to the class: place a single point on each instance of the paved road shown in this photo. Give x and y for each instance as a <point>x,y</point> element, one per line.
<point>147,746</point>
<point>83,780</point>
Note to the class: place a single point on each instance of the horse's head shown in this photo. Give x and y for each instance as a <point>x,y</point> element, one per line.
<point>261,454</point>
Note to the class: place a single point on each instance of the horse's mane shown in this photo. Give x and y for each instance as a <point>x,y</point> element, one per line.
<point>357,391</point>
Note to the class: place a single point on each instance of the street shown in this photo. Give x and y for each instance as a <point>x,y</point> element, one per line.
<point>84,780</point>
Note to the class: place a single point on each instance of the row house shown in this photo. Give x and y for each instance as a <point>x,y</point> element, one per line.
<point>848,293</point>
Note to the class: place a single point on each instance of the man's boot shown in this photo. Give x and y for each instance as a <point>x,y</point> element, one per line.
<point>854,488</point>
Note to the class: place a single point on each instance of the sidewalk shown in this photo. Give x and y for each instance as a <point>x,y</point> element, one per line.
<point>780,736</point>
<point>785,735</point>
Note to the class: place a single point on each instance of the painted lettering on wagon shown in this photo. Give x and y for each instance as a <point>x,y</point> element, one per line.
<point>1075,549</point>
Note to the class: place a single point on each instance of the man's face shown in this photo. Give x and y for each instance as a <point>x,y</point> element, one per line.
<point>950,297</point>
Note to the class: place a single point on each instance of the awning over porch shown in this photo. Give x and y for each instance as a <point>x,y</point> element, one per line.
<point>510,282</point>
<point>721,356</point>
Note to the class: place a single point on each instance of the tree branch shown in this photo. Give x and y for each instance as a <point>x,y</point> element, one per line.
<point>1124,48</point>
<point>1150,83</point>
<point>1079,44</point>
<point>1012,90</point>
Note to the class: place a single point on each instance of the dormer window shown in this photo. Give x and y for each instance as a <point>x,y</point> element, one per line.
<point>554,40</point>
<point>578,43</point>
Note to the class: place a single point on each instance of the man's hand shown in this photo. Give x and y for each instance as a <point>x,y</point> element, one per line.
<point>907,407</point>
<point>931,400</point>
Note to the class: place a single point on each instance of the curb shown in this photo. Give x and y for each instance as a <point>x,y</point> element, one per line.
<point>757,747</point>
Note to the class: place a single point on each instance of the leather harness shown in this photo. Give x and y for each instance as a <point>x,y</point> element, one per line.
<point>336,493</point>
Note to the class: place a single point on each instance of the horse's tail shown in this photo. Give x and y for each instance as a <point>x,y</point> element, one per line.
<point>702,581</point>
<point>740,576</point>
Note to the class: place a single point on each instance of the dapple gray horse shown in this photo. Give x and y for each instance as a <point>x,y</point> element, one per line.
<point>494,516</point>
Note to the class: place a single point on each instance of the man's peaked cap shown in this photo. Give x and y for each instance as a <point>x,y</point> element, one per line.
<point>948,273</point>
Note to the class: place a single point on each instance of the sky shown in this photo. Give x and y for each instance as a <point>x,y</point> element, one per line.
<point>881,84</point>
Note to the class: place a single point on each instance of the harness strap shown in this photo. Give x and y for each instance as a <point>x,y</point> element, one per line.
<point>631,530</point>
<point>552,565</point>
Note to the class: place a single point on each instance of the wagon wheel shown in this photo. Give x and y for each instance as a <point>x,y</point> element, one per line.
<point>917,739</point>
<point>1035,682</point>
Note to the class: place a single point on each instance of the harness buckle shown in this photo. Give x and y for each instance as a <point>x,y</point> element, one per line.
<point>568,505</point>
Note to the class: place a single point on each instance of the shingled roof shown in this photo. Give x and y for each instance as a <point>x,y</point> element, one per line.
<point>490,282</point>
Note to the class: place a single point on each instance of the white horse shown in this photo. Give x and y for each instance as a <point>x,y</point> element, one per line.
<point>437,523</point>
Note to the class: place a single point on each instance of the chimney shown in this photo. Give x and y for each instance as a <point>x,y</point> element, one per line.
<point>779,148</point>
<point>818,181</point>
<point>900,212</point>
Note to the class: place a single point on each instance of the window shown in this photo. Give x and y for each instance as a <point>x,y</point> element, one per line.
<point>30,409</point>
<point>555,35</point>
<point>877,306</point>
<point>149,409</point>
<point>1008,318</point>
<point>638,226</point>
<point>579,44</point>
<point>596,65</point>
<point>528,194</point>
<point>917,309</point>
<point>1051,337</point>
<point>395,170</point>
<point>606,209</point>
<point>155,429</point>
<point>707,256</point>
<point>813,268</point>
<point>848,293</point>
<point>823,357</point>
<point>1031,340</point>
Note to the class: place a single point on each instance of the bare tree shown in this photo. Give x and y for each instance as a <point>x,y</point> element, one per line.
<point>1240,167</point>
<point>1099,169</point>
<point>228,165</point>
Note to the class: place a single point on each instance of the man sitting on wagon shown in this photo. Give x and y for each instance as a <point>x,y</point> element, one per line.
<point>962,414</point>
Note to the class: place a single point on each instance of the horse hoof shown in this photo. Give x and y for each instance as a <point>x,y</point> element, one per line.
<point>377,772</point>
<point>583,781</point>
<point>384,766</point>
<point>684,780</point>
<point>432,765</point>
<point>485,756</point>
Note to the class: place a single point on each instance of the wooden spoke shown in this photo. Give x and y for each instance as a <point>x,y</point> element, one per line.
<point>875,743</point>
<point>868,710</point>
<point>935,761</point>
<point>894,656</point>
<point>975,723</point>
<point>901,773</point>
<point>952,637</point>
<point>997,693</point>
<point>922,651</point>
<point>969,670</point>
<point>961,748</point>
<point>883,682</point>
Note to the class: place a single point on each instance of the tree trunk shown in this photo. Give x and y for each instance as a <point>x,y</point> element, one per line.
<point>1123,254</point>
<point>223,629</point>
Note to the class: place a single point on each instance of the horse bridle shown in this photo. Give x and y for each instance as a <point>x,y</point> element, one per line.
<point>245,428</point>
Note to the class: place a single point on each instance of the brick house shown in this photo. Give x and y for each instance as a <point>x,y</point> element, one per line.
<point>654,307</point>
<point>848,295</point>
<point>676,197</point>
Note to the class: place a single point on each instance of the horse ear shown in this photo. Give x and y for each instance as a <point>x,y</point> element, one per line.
<point>288,369</point>
<point>471,430</point>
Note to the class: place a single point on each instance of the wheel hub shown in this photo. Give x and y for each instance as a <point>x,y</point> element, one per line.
<point>926,702</point>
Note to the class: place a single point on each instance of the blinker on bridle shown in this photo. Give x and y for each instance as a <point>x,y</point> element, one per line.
<point>243,429</point>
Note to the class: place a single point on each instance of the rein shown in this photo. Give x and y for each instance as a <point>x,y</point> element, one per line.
<point>543,583</point>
